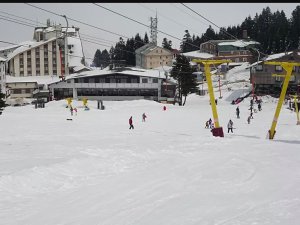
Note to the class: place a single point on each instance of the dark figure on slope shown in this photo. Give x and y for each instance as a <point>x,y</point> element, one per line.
<point>259,106</point>
<point>237,112</point>
<point>144,117</point>
<point>230,126</point>
<point>130,123</point>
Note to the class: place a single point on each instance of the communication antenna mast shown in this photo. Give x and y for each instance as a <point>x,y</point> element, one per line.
<point>153,30</point>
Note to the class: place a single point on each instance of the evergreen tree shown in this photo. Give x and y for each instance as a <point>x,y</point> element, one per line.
<point>186,81</point>
<point>295,29</point>
<point>105,58</point>
<point>167,44</point>
<point>97,58</point>
<point>146,39</point>
<point>112,53</point>
<point>138,42</point>
<point>130,52</point>
<point>187,43</point>
<point>2,102</point>
<point>120,51</point>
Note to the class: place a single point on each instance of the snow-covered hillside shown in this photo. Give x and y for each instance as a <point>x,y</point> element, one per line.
<point>169,170</point>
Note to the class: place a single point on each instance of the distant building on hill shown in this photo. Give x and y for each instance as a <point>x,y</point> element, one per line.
<point>265,83</point>
<point>151,56</point>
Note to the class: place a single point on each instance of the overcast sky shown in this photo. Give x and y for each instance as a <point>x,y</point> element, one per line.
<point>173,18</point>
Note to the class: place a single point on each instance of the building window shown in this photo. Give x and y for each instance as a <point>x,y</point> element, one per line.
<point>113,80</point>
<point>278,68</point>
<point>17,91</point>
<point>244,59</point>
<point>134,80</point>
<point>123,80</point>
<point>101,80</point>
<point>154,80</point>
<point>259,68</point>
<point>277,78</point>
<point>21,73</point>
<point>144,80</point>
<point>27,91</point>
<point>237,60</point>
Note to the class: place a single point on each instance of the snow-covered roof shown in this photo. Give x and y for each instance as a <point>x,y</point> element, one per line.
<point>38,79</point>
<point>26,46</point>
<point>2,59</point>
<point>8,47</point>
<point>239,43</point>
<point>198,54</point>
<point>70,29</point>
<point>80,67</point>
<point>271,57</point>
<point>49,29</point>
<point>129,71</point>
<point>39,30</point>
<point>163,68</point>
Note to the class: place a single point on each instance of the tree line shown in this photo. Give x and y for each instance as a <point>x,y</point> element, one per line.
<point>274,31</point>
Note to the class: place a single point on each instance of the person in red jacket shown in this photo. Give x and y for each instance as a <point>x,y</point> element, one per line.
<point>130,123</point>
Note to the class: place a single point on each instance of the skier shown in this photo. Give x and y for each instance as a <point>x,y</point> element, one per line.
<point>207,124</point>
<point>251,115</point>
<point>259,106</point>
<point>249,119</point>
<point>230,126</point>
<point>144,117</point>
<point>164,108</point>
<point>251,102</point>
<point>210,123</point>
<point>75,109</point>
<point>71,110</point>
<point>130,123</point>
<point>237,112</point>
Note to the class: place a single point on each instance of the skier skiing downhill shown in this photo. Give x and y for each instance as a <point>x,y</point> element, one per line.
<point>130,123</point>
<point>144,117</point>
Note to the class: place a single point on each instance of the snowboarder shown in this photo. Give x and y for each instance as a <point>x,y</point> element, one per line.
<point>237,112</point>
<point>144,117</point>
<point>75,110</point>
<point>130,123</point>
<point>249,119</point>
<point>230,126</point>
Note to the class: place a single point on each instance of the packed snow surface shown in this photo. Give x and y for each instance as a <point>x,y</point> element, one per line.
<point>169,170</point>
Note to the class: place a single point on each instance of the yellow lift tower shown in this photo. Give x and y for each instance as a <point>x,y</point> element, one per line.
<point>69,100</point>
<point>217,130</point>
<point>296,107</point>
<point>288,67</point>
